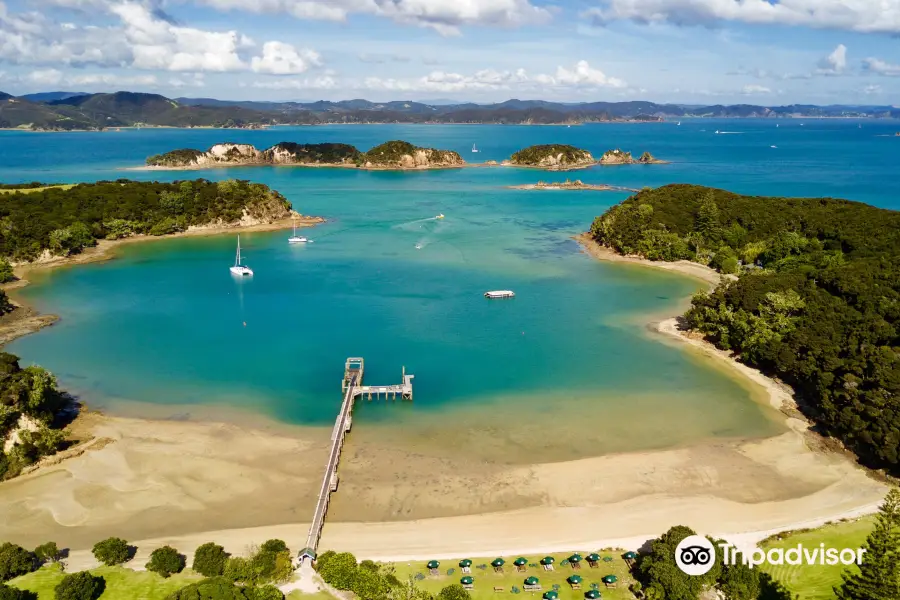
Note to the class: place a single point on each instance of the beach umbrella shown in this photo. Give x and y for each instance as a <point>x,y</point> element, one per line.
<point>532,580</point>
<point>498,562</point>
<point>575,558</point>
<point>574,579</point>
<point>593,557</point>
<point>520,562</point>
<point>551,595</point>
<point>467,580</point>
<point>465,562</point>
<point>629,555</point>
<point>610,579</point>
<point>548,560</point>
<point>592,594</point>
<point>433,564</point>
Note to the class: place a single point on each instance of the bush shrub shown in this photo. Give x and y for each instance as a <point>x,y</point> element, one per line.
<point>79,586</point>
<point>112,551</point>
<point>166,561</point>
<point>15,561</point>
<point>209,560</point>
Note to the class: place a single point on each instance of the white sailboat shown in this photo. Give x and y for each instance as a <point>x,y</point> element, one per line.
<point>474,149</point>
<point>297,239</point>
<point>238,268</point>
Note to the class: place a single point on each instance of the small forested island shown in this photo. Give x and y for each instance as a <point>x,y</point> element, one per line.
<point>620,157</point>
<point>814,301</point>
<point>394,155</point>
<point>39,223</point>
<point>571,185</point>
<point>553,157</point>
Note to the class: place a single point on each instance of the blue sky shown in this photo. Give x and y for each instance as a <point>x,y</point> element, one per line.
<point>690,51</point>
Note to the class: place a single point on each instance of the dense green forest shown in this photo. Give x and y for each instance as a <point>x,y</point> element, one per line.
<point>328,153</point>
<point>533,155</point>
<point>65,221</point>
<point>30,392</point>
<point>816,301</point>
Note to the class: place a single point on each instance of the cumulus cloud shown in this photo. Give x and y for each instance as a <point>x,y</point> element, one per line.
<point>875,65</point>
<point>279,58</point>
<point>750,90</point>
<point>324,82</point>
<point>835,63</point>
<point>144,39</point>
<point>868,16</point>
<point>445,16</point>
<point>581,76</point>
<point>367,57</point>
<point>41,78</point>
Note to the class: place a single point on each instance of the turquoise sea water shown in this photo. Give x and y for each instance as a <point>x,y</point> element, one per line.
<point>161,330</point>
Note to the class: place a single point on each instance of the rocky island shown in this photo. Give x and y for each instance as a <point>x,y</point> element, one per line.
<point>620,157</point>
<point>393,155</point>
<point>552,157</point>
<point>571,185</point>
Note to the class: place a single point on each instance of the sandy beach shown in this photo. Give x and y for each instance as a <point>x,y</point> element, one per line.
<point>184,483</point>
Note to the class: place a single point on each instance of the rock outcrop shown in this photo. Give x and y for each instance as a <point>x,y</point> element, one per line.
<point>553,157</point>
<point>390,155</point>
<point>620,157</point>
<point>403,155</point>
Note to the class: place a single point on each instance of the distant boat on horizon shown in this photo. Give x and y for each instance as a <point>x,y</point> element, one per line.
<point>238,268</point>
<point>678,123</point>
<point>295,239</point>
<point>773,146</point>
<point>474,149</point>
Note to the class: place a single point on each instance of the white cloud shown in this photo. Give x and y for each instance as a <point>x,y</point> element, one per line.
<point>42,78</point>
<point>367,57</point>
<point>142,39</point>
<point>584,76</point>
<point>279,58</point>
<point>835,63</point>
<point>870,90</point>
<point>445,16</point>
<point>755,89</point>
<point>581,76</point>
<point>869,16</point>
<point>881,67</point>
<point>325,82</point>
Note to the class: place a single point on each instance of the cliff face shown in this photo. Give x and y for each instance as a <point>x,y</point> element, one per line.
<point>553,157</point>
<point>403,155</point>
<point>390,155</point>
<point>620,157</point>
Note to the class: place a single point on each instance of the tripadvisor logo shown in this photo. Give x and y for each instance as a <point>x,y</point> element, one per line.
<point>696,555</point>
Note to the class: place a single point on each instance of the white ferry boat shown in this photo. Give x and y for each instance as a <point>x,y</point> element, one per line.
<point>499,294</point>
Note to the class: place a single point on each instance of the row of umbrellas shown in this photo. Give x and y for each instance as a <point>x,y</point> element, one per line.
<point>575,579</point>
<point>547,560</point>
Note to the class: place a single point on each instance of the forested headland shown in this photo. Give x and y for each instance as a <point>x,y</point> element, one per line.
<point>816,301</point>
<point>63,221</point>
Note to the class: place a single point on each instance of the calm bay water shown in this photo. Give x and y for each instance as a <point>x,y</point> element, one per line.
<point>162,329</point>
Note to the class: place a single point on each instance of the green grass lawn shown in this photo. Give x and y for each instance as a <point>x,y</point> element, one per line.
<point>486,579</point>
<point>815,582</point>
<point>121,583</point>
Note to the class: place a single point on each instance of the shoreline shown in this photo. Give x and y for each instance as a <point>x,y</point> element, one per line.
<point>571,187</point>
<point>25,320</point>
<point>185,483</point>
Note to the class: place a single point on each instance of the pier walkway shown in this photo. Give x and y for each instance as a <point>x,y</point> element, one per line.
<point>352,388</point>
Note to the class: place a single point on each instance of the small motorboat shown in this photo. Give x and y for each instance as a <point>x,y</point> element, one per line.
<point>418,246</point>
<point>440,216</point>
<point>494,294</point>
<point>773,146</point>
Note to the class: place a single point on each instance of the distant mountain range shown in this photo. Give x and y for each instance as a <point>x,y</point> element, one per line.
<point>57,111</point>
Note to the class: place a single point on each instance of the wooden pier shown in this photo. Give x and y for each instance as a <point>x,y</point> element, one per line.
<point>352,387</point>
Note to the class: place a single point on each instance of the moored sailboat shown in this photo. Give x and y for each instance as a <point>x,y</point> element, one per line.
<point>238,268</point>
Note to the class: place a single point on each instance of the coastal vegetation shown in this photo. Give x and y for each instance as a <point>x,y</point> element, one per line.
<point>32,411</point>
<point>813,301</point>
<point>396,154</point>
<point>64,221</point>
<point>662,579</point>
<point>878,577</point>
<point>553,157</point>
<point>620,157</point>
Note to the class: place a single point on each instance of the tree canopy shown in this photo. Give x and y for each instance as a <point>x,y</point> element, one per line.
<point>66,220</point>
<point>209,560</point>
<point>80,586</point>
<point>15,561</point>
<point>816,302</point>
<point>112,551</point>
<point>166,561</point>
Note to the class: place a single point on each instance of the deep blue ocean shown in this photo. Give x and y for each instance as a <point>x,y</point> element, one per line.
<point>160,331</point>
